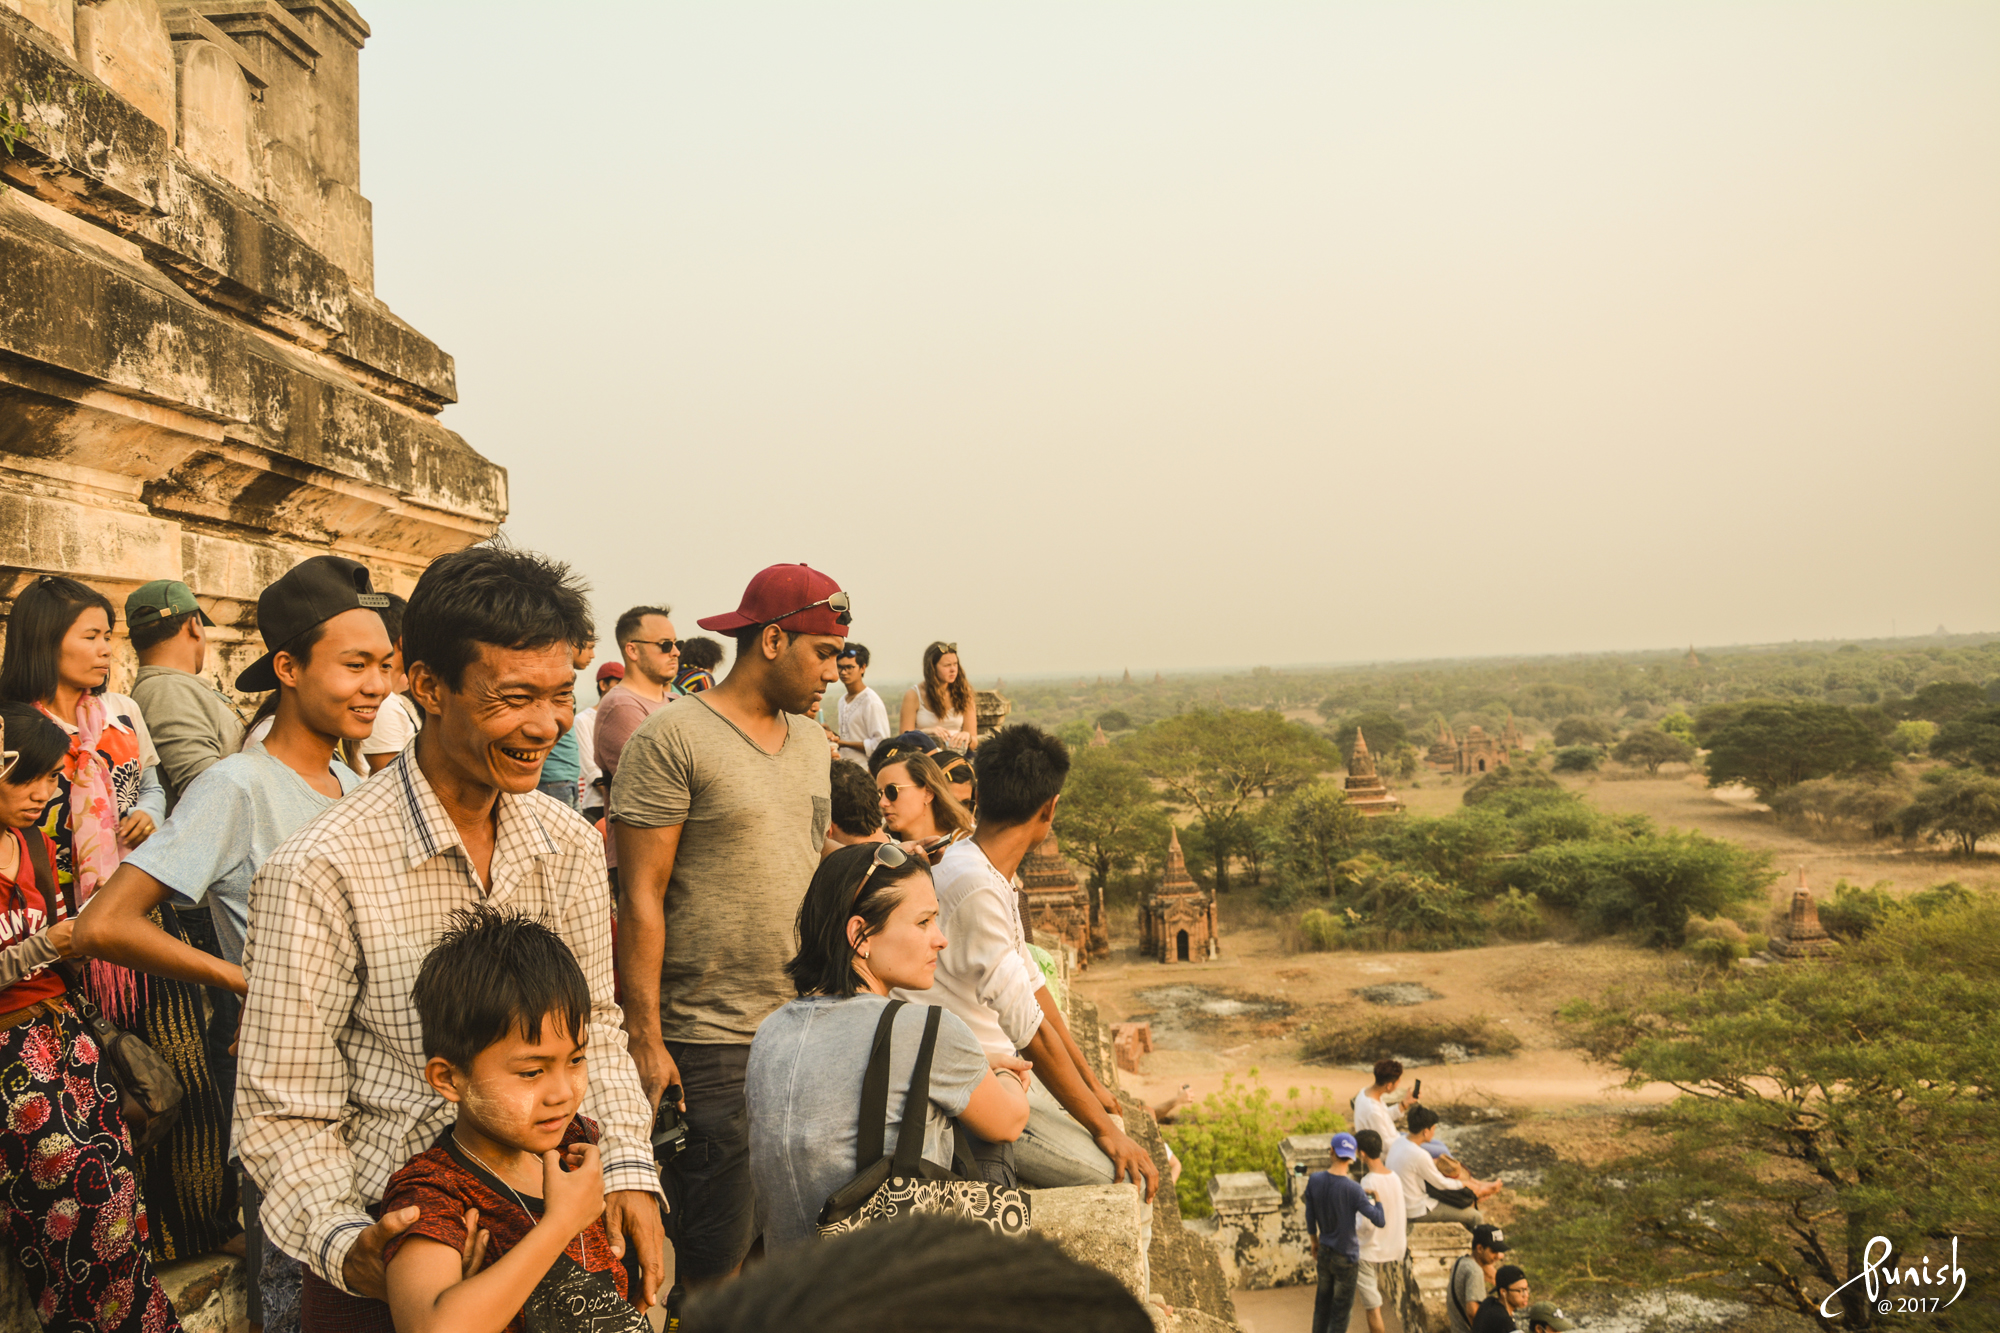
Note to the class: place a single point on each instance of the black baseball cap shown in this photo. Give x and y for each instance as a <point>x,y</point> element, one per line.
<point>310,593</point>
<point>1507,1276</point>
<point>1492,1237</point>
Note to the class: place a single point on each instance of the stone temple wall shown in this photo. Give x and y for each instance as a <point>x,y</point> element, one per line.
<point>196,378</point>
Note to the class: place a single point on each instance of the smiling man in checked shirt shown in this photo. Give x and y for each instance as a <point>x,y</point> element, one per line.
<point>331,1098</point>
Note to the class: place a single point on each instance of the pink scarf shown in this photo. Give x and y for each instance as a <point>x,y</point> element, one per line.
<point>93,805</point>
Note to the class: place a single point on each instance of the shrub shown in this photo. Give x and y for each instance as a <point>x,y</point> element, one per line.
<point>1238,1129</point>
<point>1863,805</point>
<point>1368,1037</point>
<point>1854,911</point>
<point>1510,783</point>
<point>1912,737</point>
<point>1715,953</point>
<point>1320,931</point>
<point>1721,928</point>
<point>1517,915</point>
<point>1392,905</point>
<point>1578,759</point>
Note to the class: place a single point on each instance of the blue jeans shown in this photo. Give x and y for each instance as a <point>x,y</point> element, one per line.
<point>1333,1303</point>
<point>711,1198</point>
<point>564,791</point>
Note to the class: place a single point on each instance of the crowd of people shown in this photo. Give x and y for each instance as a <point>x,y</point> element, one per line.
<point>374,928</point>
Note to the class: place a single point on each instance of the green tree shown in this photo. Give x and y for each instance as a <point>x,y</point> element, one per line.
<point>1508,783</point>
<point>1648,884</point>
<point>1939,701</point>
<point>1972,739</point>
<point>1385,732</point>
<point>1788,1150</point>
<point>1108,819</point>
<point>1308,832</point>
<point>1653,747</point>
<point>1912,737</point>
<point>1217,763</point>
<point>1577,759</point>
<point>1580,730</point>
<point>1115,720</point>
<point>1953,805</point>
<point>1771,746</point>
<point>1678,724</point>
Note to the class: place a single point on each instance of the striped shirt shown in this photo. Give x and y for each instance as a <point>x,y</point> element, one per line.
<point>330,1093</point>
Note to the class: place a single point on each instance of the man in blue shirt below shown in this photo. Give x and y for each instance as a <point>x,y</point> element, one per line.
<point>1332,1203</point>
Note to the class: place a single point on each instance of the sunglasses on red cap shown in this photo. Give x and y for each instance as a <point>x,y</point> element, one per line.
<point>838,604</point>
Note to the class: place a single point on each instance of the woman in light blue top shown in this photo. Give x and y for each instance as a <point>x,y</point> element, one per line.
<point>868,924</point>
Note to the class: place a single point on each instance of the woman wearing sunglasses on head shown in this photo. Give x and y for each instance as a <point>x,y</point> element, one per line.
<point>917,803</point>
<point>868,923</point>
<point>944,705</point>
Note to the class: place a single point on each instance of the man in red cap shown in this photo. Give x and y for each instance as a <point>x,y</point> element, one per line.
<point>719,807</point>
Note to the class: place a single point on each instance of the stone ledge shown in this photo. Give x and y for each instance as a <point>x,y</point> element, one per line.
<point>1097,1225</point>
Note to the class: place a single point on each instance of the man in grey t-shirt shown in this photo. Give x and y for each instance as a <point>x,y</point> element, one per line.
<point>1467,1285</point>
<point>719,807</point>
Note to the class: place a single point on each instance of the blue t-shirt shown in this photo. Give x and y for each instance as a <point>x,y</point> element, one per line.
<point>803,1087</point>
<point>1331,1203</point>
<point>565,761</point>
<point>227,822</point>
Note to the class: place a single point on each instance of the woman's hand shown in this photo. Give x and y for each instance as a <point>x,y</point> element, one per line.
<point>62,937</point>
<point>135,828</point>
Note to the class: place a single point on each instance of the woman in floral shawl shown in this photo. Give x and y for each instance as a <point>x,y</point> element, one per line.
<point>109,799</point>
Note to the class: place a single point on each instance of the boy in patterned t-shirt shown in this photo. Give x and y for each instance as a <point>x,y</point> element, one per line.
<point>503,1006</point>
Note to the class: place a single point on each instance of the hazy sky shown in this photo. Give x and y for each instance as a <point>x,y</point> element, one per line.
<point>1174,335</point>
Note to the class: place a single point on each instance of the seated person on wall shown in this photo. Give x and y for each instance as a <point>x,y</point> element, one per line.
<point>1377,1106</point>
<point>869,922</point>
<point>857,810</point>
<point>1428,1194</point>
<point>505,1014</point>
<point>1075,1135</point>
<point>80,1230</point>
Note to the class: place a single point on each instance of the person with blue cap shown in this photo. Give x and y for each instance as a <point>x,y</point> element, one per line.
<point>1333,1201</point>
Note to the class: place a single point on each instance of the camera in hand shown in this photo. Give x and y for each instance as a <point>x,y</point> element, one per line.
<point>669,1130</point>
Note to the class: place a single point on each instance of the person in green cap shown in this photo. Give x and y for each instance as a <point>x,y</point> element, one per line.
<point>193,724</point>
<point>1544,1317</point>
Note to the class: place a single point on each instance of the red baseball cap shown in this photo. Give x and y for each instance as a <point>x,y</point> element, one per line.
<point>611,671</point>
<point>792,597</point>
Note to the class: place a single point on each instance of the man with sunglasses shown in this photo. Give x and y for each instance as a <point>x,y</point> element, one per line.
<point>864,718</point>
<point>645,638</point>
<point>719,807</point>
<point>1510,1293</point>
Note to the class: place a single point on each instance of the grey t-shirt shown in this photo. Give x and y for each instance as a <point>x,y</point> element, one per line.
<point>1468,1283</point>
<point>751,828</point>
<point>229,819</point>
<point>803,1087</point>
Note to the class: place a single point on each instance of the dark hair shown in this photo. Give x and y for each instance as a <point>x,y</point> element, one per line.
<point>627,628</point>
<point>824,964</point>
<point>392,616</point>
<point>701,653</point>
<point>857,806</point>
<point>960,690</point>
<point>1369,1143</point>
<point>746,639</point>
<point>1421,1119</point>
<point>1507,1275</point>
<point>1019,771</point>
<point>1388,1071</point>
<point>857,651</point>
<point>40,745</point>
<point>43,613</point>
<point>947,811</point>
<point>901,746</point>
<point>920,1274</point>
<point>493,595</point>
<point>492,972</point>
<point>157,633</point>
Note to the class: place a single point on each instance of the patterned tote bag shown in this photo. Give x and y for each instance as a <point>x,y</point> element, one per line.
<point>904,1185</point>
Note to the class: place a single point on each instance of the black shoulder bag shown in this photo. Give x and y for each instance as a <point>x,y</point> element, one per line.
<point>903,1185</point>
<point>149,1096</point>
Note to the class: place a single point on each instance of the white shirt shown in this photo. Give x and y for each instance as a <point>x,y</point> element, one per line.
<point>586,748</point>
<point>985,975</point>
<point>864,718</point>
<point>1384,1244</point>
<point>1371,1114</point>
<point>395,723</point>
<point>1415,1167</point>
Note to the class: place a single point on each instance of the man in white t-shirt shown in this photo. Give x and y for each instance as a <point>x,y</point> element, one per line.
<point>1375,1107</point>
<point>1383,1247</point>
<point>1417,1169</point>
<point>864,719</point>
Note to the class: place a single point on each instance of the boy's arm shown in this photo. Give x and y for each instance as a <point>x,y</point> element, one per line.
<point>429,1294</point>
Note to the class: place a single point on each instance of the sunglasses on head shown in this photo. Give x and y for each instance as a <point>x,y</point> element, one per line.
<point>890,854</point>
<point>958,772</point>
<point>842,608</point>
<point>943,647</point>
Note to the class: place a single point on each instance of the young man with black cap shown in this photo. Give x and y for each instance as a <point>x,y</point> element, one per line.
<point>719,806</point>
<point>1510,1293</point>
<point>193,724</point>
<point>1466,1287</point>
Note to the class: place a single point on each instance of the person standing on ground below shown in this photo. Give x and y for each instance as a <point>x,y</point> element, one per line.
<point>700,656</point>
<point>719,807</point>
<point>192,723</point>
<point>1423,1182</point>
<point>645,639</point>
<point>1470,1273</point>
<point>864,720</point>
<point>331,1096</point>
<point>594,786</point>
<point>1075,1135</point>
<point>1383,1246</point>
<point>917,805</point>
<point>1333,1202</point>
<point>944,704</point>
<point>1373,1107</point>
<point>1510,1293</point>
